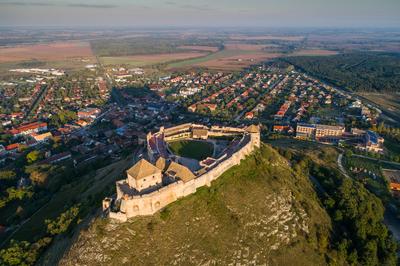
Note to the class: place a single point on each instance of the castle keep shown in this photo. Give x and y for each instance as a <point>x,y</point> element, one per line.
<point>164,177</point>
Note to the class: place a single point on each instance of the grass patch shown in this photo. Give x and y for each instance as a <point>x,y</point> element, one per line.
<point>194,149</point>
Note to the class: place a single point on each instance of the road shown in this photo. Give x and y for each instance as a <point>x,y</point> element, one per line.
<point>38,99</point>
<point>374,159</point>
<point>340,164</point>
<point>117,97</point>
<point>392,222</point>
<point>83,129</point>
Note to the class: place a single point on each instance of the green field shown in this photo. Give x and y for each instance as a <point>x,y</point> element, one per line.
<point>198,150</point>
<point>212,56</point>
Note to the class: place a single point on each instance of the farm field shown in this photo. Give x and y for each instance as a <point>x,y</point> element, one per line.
<point>70,64</point>
<point>247,47</point>
<point>227,59</point>
<point>150,59</point>
<point>313,52</point>
<point>239,61</point>
<point>199,48</point>
<point>57,51</point>
<point>267,37</point>
<point>198,150</point>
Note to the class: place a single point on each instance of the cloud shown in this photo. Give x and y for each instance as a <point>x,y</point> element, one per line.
<point>92,6</point>
<point>198,8</point>
<point>189,6</point>
<point>16,3</point>
<point>19,3</point>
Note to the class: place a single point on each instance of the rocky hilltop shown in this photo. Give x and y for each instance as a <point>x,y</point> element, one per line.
<point>260,212</point>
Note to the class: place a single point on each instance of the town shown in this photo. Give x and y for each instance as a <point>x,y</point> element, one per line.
<point>172,132</point>
<point>74,109</point>
<point>57,127</point>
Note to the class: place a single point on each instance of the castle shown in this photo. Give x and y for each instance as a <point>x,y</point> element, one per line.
<point>165,177</point>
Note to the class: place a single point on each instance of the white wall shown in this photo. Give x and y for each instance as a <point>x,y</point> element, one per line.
<point>148,204</point>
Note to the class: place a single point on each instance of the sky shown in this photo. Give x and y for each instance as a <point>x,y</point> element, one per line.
<point>201,13</point>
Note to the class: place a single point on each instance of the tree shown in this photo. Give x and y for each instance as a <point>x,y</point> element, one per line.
<point>19,253</point>
<point>33,156</point>
<point>38,177</point>
<point>348,153</point>
<point>62,223</point>
<point>22,253</point>
<point>5,138</point>
<point>7,175</point>
<point>19,193</point>
<point>62,117</point>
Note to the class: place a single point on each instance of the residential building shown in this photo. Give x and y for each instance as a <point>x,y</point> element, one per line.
<point>305,131</point>
<point>328,131</point>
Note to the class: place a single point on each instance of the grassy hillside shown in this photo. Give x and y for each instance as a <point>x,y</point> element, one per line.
<point>359,234</point>
<point>258,212</point>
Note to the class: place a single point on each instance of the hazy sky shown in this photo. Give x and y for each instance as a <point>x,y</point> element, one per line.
<point>216,13</point>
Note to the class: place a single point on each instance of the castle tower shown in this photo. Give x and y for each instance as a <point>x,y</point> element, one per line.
<point>143,175</point>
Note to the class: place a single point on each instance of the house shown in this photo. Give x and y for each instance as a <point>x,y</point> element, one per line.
<point>192,108</point>
<point>305,131</point>
<point>357,132</point>
<point>328,131</point>
<point>249,115</point>
<point>176,79</point>
<point>16,115</point>
<point>81,123</point>
<point>42,137</point>
<point>212,107</point>
<point>27,129</point>
<point>283,109</point>
<point>281,128</point>
<point>88,113</point>
<point>12,147</point>
<point>319,131</point>
<point>393,178</point>
<point>180,172</point>
<point>356,104</point>
<point>57,158</point>
<point>373,142</point>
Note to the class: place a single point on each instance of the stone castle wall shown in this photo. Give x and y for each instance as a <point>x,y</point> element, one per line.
<point>148,204</point>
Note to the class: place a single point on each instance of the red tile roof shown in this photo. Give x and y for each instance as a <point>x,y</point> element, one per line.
<point>13,146</point>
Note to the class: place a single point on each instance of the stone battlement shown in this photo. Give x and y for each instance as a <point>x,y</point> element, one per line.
<point>136,201</point>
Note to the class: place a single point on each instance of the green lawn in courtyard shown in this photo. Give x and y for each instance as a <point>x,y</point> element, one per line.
<point>194,149</point>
